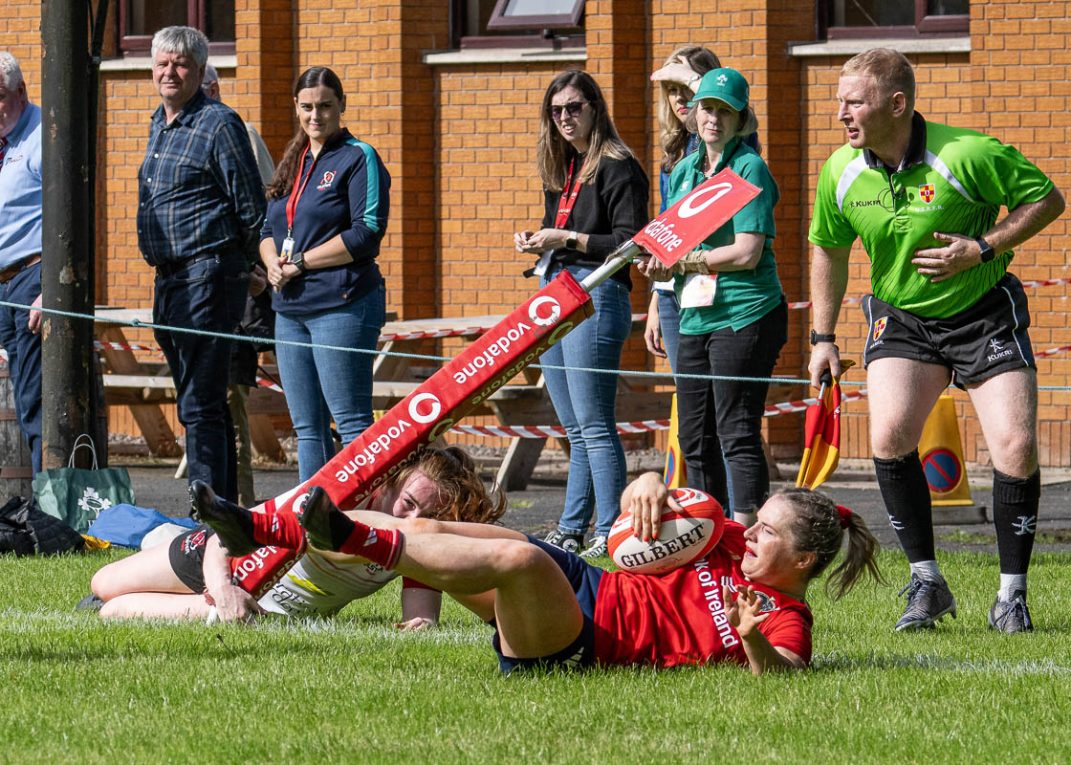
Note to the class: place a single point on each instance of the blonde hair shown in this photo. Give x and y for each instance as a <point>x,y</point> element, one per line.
<point>673,133</point>
<point>554,151</point>
<point>890,70</point>
<point>462,493</point>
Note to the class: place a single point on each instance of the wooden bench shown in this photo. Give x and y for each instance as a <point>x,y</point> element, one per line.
<point>145,386</point>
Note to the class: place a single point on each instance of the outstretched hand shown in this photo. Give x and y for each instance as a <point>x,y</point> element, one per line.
<point>745,611</point>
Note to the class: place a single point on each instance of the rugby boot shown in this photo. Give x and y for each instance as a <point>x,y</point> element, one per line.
<point>1011,616</point>
<point>326,526</point>
<point>231,522</point>
<point>927,602</point>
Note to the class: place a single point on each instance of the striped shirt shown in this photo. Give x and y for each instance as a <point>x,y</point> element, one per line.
<point>199,191</point>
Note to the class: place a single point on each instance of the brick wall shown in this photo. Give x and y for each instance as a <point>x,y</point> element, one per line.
<point>460,140</point>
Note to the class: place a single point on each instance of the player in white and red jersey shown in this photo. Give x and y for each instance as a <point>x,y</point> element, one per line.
<point>744,603</point>
<point>191,575</point>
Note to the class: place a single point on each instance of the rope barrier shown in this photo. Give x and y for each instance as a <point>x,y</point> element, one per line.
<point>464,332</point>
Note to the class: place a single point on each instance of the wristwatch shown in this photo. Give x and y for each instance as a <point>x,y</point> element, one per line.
<point>987,252</point>
<point>817,338</point>
<point>571,242</point>
<point>297,259</point>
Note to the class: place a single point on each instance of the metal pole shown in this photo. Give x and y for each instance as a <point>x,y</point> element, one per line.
<point>66,270</point>
<point>614,262</point>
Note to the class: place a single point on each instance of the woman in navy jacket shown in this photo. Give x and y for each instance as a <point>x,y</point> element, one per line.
<point>327,213</point>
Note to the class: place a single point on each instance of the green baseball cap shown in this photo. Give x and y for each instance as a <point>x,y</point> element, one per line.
<point>724,84</point>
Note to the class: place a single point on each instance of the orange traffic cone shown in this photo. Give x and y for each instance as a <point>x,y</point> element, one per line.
<point>673,473</point>
<point>941,453</point>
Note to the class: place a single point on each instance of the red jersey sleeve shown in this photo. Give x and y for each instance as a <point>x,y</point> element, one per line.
<point>791,629</point>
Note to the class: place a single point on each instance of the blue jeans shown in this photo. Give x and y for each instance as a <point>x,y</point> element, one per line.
<point>584,402</point>
<point>206,294</point>
<point>24,355</point>
<point>322,384</point>
<point>669,322</point>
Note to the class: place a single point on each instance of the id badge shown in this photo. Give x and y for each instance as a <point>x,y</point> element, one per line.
<point>288,248</point>
<point>699,290</point>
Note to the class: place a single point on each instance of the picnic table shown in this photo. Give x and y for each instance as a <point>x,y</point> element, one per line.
<point>145,385</point>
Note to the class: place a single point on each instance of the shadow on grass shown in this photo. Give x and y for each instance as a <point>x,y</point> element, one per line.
<point>835,662</point>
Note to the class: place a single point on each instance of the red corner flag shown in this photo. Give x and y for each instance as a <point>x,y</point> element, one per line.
<point>821,451</point>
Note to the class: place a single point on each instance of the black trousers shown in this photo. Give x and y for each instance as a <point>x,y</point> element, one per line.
<point>728,411</point>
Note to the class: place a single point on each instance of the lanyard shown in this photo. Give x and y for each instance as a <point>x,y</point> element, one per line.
<point>568,200</point>
<point>298,190</point>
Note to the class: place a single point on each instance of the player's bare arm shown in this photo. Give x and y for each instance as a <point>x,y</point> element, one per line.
<point>231,601</point>
<point>963,252</point>
<point>420,609</point>
<point>829,280</point>
<point>745,614</point>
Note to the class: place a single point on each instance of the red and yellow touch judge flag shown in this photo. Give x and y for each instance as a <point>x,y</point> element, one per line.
<point>821,451</point>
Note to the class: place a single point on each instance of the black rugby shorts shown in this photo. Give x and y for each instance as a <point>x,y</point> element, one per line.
<point>983,341</point>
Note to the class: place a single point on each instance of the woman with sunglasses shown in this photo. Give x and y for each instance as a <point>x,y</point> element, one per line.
<point>595,198</point>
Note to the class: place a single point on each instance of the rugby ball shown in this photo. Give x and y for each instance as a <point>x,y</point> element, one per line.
<point>685,535</point>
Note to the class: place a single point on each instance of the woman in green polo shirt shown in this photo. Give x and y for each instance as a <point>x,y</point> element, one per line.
<point>734,319</point>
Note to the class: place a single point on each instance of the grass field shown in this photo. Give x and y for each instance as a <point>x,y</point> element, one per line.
<point>353,691</point>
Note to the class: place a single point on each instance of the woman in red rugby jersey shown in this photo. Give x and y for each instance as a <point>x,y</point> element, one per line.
<point>745,602</point>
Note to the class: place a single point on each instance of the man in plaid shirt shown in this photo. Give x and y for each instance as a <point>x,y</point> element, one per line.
<point>200,208</point>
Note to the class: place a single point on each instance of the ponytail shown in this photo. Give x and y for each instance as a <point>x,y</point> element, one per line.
<point>819,526</point>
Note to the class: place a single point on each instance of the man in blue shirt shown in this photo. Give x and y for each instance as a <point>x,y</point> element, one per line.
<point>200,207</point>
<point>20,247</point>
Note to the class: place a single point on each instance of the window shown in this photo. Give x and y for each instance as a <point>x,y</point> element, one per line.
<point>893,18</point>
<point>518,23</point>
<point>139,20</point>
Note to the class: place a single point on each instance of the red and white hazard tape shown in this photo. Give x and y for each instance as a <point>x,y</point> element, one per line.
<point>550,431</point>
<point>789,407</point>
<point>263,382</point>
<point>644,426</point>
<point>802,304</point>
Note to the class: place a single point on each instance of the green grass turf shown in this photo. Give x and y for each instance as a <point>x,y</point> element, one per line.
<point>352,690</point>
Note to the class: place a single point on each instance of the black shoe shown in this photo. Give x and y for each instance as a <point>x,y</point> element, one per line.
<point>92,603</point>
<point>323,521</point>
<point>565,540</point>
<point>927,602</point>
<point>231,522</point>
<point>1011,616</point>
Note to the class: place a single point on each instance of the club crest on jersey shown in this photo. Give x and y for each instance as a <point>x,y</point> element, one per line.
<point>767,602</point>
<point>326,181</point>
<point>879,327</point>
<point>927,192</point>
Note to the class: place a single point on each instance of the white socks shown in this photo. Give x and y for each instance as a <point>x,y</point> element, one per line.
<point>927,569</point>
<point>1010,584</point>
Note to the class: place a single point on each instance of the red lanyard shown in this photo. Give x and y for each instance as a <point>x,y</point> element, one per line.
<point>568,200</point>
<point>298,190</point>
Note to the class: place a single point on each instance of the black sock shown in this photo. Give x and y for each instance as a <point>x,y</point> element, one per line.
<point>907,500</point>
<point>1015,516</point>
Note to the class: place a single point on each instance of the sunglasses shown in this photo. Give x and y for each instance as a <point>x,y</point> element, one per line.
<point>573,109</point>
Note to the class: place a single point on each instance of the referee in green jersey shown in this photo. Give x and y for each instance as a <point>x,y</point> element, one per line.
<point>924,199</point>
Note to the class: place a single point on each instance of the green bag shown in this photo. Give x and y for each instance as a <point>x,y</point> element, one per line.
<point>75,495</point>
